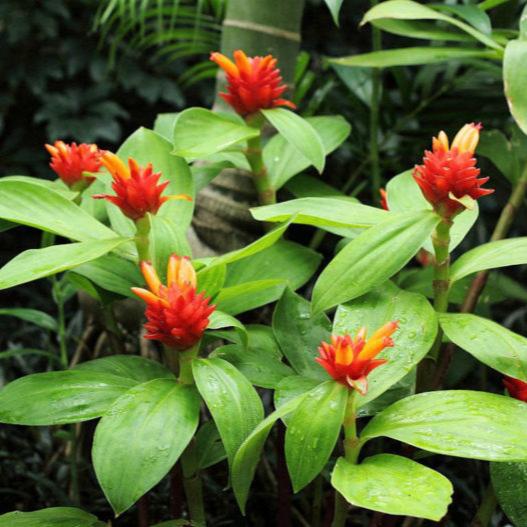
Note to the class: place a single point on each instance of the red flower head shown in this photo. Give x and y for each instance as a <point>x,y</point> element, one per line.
<point>516,388</point>
<point>449,175</point>
<point>253,82</point>
<point>137,188</point>
<point>349,361</point>
<point>71,162</point>
<point>384,199</point>
<point>176,314</point>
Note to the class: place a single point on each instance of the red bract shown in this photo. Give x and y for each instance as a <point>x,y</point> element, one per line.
<point>253,83</point>
<point>70,162</point>
<point>176,314</point>
<point>384,199</point>
<point>448,175</point>
<point>516,388</point>
<point>137,188</point>
<point>350,360</point>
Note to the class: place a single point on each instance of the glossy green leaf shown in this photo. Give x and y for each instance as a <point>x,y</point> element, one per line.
<point>413,56</point>
<point>410,10</point>
<point>39,318</point>
<point>299,133</point>
<point>307,186</point>
<point>494,145</point>
<point>57,185</point>
<point>313,430</point>
<point>140,438</point>
<point>291,387</point>
<point>200,133</point>
<point>248,454</point>
<point>45,209</point>
<point>283,160</point>
<point>509,481</point>
<point>211,279</point>
<point>131,367</point>
<point>393,485</point>
<point>341,216</point>
<point>209,446</point>
<point>334,7</point>
<point>60,397</point>
<point>52,517</point>
<point>515,80</point>
<point>492,255</point>
<point>234,404</point>
<point>38,263</point>
<point>412,341</point>
<point>405,195</point>
<point>164,125</point>
<point>491,343</point>
<point>299,333</point>
<point>420,30</point>
<point>364,263</point>
<point>113,273</point>
<point>462,423</point>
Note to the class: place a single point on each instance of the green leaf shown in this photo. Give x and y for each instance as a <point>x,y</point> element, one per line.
<point>209,446</point>
<point>462,423</point>
<point>164,125</point>
<point>15,352</point>
<point>45,209</point>
<point>57,186</point>
<point>233,402</point>
<point>312,432</point>
<point>52,517</point>
<point>248,455</point>
<point>200,133</point>
<point>211,279</point>
<point>412,56</point>
<point>299,133</point>
<point>515,80</point>
<point>334,7</point>
<point>494,145</point>
<point>283,160</point>
<point>491,343</point>
<point>291,387</point>
<point>131,367</point>
<point>299,333</point>
<point>34,316</point>
<point>372,258</point>
<point>37,263</point>
<point>140,438</point>
<point>60,397</point>
<point>218,320</point>
<point>409,10</point>
<point>112,273</point>
<point>393,485</point>
<point>405,195</point>
<point>509,481</point>
<point>341,216</point>
<point>412,341</point>
<point>420,30</point>
<point>492,255</point>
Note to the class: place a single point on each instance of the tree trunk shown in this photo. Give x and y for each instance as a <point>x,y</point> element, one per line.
<point>222,221</point>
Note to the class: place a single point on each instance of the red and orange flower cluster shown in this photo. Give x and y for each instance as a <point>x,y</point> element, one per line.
<point>74,163</point>
<point>137,189</point>
<point>253,83</point>
<point>449,175</point>
<point>177,315</point>
<point>516,388</point>
<point>349,360</point>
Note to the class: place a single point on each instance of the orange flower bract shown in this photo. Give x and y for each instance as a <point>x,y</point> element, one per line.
<point>71,161</point>
<point>449,174</point>
<point>253,83</point>
<point>177,315</point>
<point>137,189</point>
<point>349,360</point>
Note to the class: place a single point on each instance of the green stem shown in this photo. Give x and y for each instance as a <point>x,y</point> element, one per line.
<point>486,508</point>
<point>441,285</point>
<point>142,238</point>
<point>374,116</point>
<point>352,448</point>
<point>192,484</point>
<point>266,192</point>
<point>185,364</point>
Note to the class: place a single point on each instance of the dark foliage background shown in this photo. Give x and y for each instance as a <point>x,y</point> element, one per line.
<point>57,83</point>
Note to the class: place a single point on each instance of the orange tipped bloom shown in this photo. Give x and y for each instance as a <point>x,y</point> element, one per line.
<point>176,314</point>
<point>516,388</point>
<point>137,188</point>
<point>384,199</point>
<point>449,174</point>
<point>253,83</point>
<point>350,360</point>
<point>71,162</point>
